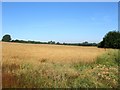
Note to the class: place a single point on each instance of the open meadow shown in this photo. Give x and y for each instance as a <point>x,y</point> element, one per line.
<point>56,66</point>
<point>60,44</point>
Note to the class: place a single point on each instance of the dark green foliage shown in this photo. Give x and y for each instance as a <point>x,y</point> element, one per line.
<point>111,40</point>
<point>101,44</point>
<point>58,43</point>
<point>51,42</point>
<point>85,43</point>
<point>6,38</point>
<point>32,42</point>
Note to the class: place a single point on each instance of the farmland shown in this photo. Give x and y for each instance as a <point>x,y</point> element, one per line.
<point>58,66</point>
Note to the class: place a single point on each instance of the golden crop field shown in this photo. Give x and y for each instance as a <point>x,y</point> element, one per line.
<point>42,65</point>
<point>13,52</point>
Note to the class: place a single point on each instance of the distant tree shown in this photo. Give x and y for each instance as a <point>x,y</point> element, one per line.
<point>51,42</point>
<point>64,43</point>
<point>93,44</point>
<point>111,40</point>
<point>6,38</point>
<point>85,43</point>
<point>57,43</point>
<point>15,40</point>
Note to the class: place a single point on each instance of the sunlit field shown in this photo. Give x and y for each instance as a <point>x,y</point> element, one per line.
<point>49,53</point>
<point>42,65</point>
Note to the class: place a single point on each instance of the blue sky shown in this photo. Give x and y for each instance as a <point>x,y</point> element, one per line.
<point>60,22</point>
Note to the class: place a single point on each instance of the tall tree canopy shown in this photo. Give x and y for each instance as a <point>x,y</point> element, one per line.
<point>111,40</point>
<point>6,38</point>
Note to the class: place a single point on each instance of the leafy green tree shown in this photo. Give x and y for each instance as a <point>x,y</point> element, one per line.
<point>51,42</point>
<point>85,43</point>
<point>58,43</point>
<point>117,43</point>
<point>111,40</point>
<point>6,38</point>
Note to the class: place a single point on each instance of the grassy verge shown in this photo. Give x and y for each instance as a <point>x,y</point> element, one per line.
<point>103,73</point>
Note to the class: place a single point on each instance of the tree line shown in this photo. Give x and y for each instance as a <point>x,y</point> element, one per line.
<point>110,40</point>
<point>7,38</point>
